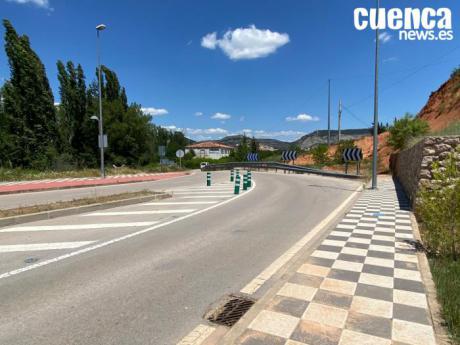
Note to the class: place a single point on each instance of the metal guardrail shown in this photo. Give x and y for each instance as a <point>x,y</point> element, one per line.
<point>277,166</point>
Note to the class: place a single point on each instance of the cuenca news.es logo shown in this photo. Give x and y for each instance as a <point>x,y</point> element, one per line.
<point>427,24</point>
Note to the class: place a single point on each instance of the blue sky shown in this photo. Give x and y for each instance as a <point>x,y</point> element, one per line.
<point>265,69</point>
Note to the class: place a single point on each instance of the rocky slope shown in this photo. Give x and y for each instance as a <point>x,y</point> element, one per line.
<point>320,137</point>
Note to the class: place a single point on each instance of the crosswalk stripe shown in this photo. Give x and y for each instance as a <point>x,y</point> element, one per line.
<point>42,246</point>
<point>180,203</point>
<point>75,227</point>
<point>128,213</point>
<point>206,196</point>
<point>202,193</point>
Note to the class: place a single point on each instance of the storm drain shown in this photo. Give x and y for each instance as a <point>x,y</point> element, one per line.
<point>230,310</point>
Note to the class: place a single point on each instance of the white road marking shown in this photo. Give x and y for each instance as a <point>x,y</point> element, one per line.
<point>203,193</point>
<point>75,227</point>
<point>197,336</point>
<point>119,239</point>
<point>206,196</point>
<point>129,213</point>
<point>267,273</point>
<point>179,203</point>
<point>42,246</point>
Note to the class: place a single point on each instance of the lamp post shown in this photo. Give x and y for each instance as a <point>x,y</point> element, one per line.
<point>376,105</point>
<point>99,28</point>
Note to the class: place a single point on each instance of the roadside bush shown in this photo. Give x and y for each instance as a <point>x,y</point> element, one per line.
<point>404,129</point>
<point>438,207</point>
<point>319,154</point>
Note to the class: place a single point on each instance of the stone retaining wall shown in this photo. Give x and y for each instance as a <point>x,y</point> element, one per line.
<point>413,167</point>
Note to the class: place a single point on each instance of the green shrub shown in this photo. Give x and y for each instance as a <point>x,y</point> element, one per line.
<point>405,129</point>
<point>319,154</point>
<point>438,207</point>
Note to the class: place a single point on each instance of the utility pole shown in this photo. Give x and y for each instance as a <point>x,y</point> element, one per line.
<point>376,105</point>
<point>329,113</point>
<point>340,118</point>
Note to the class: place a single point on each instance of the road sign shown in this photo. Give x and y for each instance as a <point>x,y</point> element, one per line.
<point>354,154</point>
<point>162,151</point>
<point>253,157</point>
<point>289,155</point>
<point>180,153</point>
<point>105,141</point>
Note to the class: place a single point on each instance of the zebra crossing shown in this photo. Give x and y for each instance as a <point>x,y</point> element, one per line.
<point>24,247</point>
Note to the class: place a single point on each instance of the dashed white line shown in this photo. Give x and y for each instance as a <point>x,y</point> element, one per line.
<point>197,336</point>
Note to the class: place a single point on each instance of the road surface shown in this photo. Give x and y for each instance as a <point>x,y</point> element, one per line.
<point>145,274</point>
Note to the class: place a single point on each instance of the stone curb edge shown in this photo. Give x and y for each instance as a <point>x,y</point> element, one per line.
<point>442,337</point>
<point>79,209</point>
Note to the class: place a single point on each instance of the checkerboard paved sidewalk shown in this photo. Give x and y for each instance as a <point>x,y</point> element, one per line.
<point>362,285</point>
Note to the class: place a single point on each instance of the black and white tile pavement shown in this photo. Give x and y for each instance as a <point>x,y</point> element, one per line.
<point>362,285</point>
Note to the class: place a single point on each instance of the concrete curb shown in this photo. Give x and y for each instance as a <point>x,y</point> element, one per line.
<point>33,217</point>
<point>442,337</point>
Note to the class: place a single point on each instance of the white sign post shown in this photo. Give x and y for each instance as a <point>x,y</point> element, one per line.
<point>180,154</point>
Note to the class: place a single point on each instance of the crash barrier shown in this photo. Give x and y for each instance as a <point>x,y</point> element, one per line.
<point>276,166</point>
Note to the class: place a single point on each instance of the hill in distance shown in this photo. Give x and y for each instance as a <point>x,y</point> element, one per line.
<point>234,140</point>
<point>320,136</point>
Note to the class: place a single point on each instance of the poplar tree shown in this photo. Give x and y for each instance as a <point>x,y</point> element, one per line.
<point>28,104</point>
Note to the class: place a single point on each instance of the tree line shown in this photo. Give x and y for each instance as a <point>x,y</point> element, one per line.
<point>36,133</point>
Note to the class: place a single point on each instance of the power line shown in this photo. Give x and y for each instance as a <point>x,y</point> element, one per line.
<point>433,63</point>
<point>354,115</point>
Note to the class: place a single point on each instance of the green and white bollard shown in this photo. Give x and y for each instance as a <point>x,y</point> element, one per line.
<point>232,175</point>
<point>249,179</point>
<point>245,181</point>
<point>237,184</point>
<point>208,179</point>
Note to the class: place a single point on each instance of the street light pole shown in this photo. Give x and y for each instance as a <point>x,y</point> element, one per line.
<point>376,105</point>
<point>99,28</point>
<point>329,113</point>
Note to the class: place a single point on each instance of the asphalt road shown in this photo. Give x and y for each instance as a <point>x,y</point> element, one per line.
<point>153,288</point>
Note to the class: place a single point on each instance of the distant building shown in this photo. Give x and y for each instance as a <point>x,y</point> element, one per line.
<point>209,149</point>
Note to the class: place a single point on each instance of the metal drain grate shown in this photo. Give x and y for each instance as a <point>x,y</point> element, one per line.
<point>230,310</point>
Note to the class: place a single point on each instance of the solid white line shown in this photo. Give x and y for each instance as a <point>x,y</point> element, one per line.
<point>42,246</point>
<point>75,227</point>
<point>128,213</point>
<point>118,239</point>
<point>197,336</point>
<point>267,273</point>
<point>179,203</point>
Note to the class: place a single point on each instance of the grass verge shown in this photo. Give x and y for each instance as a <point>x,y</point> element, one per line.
<point>446,276</point>
<point>72,203</point>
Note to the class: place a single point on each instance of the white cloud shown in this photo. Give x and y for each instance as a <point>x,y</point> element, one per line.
<point>391,59</point>
<point>384,37</point>
<point>198,113</point>
<point>302,118</point>
<point>39,3</point>
<point>246,43</point>
<point>221,116</point>
<point>154,111</point>
<point>207,131</point>
<point>209,41</point>
<point>57,104</point>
